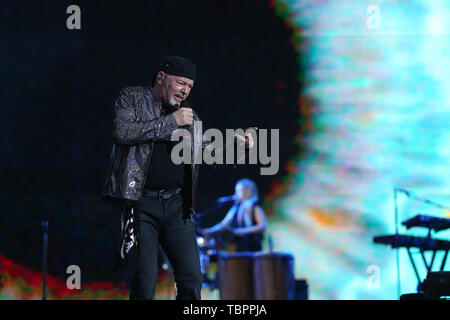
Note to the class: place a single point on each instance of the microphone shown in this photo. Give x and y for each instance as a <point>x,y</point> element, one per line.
<point>169,108</point>
<point>226,199</point>
<point>184,104</point>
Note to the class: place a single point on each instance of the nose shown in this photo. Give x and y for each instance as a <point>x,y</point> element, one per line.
<point>185,91</point>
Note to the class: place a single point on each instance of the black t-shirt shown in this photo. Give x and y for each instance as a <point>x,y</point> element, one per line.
<point>162,173</point>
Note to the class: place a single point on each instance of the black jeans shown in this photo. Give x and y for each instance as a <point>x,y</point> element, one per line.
<point>164,222</point>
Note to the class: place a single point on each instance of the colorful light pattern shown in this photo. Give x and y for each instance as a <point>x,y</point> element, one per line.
<point>379,101</point>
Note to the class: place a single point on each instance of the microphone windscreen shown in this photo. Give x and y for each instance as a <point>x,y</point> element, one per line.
<point>185,104</point>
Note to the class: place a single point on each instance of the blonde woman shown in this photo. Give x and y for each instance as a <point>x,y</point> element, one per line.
<point>246,219</point>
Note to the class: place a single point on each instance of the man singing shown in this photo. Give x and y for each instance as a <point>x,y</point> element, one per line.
<point>156,196</point>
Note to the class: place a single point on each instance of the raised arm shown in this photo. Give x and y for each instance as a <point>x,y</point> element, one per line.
<point>225,222</point>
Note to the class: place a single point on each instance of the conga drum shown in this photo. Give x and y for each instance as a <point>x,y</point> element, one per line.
<point>273,276</point>
<point>236,275</point>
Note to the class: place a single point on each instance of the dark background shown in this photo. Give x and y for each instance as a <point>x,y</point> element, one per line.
<point>58,90</point>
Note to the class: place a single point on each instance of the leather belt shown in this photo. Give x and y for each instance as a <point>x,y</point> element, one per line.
<point>162,194</point>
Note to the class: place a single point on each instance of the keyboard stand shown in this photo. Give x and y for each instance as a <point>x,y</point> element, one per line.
<point>429,266</point>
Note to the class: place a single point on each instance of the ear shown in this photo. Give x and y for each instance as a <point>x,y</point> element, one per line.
<point>160,77</point>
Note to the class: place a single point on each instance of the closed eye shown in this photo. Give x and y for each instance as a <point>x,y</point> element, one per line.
<point>184,83</point>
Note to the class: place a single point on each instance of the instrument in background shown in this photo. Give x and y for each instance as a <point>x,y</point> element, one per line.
<point>405,241</point>
<point>273,276</point>
<point>208,256</point>
<point>256,276</point>
<point>220,240</point>
<point>432,223</point>
<point>243,275</point>
<point>422,243</point>
<point>236,276</point>
<point>209,247</point>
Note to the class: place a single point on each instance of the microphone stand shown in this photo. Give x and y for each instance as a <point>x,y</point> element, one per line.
<point>397,257</point>
<point>44,225</point>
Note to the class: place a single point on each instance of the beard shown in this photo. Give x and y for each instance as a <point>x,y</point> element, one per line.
<point>173,102</point>
<point>171,106</point>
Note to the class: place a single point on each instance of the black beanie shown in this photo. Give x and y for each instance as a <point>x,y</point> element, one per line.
<point>178,66</point>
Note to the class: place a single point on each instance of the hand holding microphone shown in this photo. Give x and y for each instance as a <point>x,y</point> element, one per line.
<point>184,115</point>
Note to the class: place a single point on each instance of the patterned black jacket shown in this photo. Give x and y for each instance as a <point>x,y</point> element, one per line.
<point>139,121</point>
